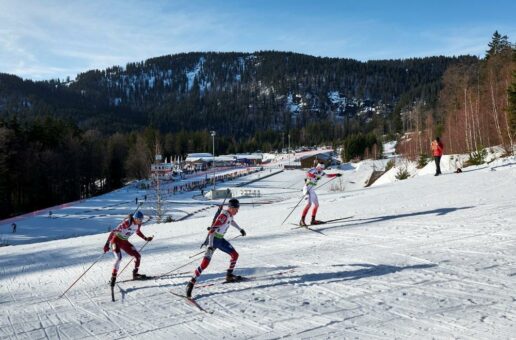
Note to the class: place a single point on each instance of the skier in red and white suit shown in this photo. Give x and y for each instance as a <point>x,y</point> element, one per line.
<point>216,240</point>
<point>118,240</point>
<point>312,177</point>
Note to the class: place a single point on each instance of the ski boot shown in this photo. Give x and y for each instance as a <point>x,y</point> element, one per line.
<point>137,276</point>
<point>113,281</point>
<point>230,277</point>
<point>302,223</point>
<point>314,221</point>
<point>189,288</point>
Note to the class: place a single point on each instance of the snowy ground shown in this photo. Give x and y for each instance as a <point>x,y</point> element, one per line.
<point>428,257</point>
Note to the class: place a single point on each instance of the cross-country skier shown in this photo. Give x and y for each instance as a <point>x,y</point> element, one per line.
<point>312,177</point>
<point>216,240</point>
<point>118,240</point>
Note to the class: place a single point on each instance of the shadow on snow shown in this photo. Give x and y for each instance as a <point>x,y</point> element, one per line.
<point>366,270</point>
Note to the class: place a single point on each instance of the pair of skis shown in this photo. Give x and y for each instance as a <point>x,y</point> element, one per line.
<point>298,226</point>
<point>192,302</point>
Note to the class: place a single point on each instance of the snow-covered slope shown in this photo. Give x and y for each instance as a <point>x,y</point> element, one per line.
<point>429,257</point>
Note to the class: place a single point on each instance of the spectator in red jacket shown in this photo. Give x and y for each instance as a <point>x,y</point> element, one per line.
<point>437,152</point>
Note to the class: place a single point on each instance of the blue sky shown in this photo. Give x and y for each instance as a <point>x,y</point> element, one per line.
<point>55,38</point>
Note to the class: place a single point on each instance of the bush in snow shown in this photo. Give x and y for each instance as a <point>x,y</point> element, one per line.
<point>402,174</point>
<point>422,161</point>
<point>477,157</point>
<point>389,165</point>
<point>402,171</point>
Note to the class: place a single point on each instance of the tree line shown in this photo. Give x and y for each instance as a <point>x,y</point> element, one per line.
<point>476,106</point>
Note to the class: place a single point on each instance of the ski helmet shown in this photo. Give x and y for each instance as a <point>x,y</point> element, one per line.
<point>138,215</point>
<point>320,166</point>
<point>233,203</point>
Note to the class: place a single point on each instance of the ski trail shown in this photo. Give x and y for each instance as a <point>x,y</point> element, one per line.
<point>10,292</point>
<point>251,323</point>
<point>57,325</point>
<point>12,325</point>
<point>41,324</point>
<point>110,319</point>
<point>95,316</point>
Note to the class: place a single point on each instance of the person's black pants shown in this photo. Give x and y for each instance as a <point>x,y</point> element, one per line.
<point>437,165</point>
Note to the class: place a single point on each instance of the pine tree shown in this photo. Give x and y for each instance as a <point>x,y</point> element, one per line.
<point>498,44</point>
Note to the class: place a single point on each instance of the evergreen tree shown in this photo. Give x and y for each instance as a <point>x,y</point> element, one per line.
<point>114,166</point>
<point>498,44</point>
<point>6,176</point>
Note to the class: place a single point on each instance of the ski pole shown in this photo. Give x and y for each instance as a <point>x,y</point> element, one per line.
<point>320,186</point>
<point>98,258</point>
<point>128,263</point>
<point>293,210</point>
<point>177,268</point>
<point>195,258</point>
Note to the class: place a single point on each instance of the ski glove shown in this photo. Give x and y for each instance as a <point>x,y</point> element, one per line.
<point>242,231</point>
<point>148,239</point>
<point>106,247</point>
<point>339,175</point>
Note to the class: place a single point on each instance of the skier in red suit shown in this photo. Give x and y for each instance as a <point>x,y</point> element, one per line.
<point>118,240</point>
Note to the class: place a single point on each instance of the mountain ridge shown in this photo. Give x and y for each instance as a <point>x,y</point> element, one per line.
<point>235,93</point>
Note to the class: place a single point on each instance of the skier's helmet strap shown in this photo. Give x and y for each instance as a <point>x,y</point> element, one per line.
<point>233,203</point>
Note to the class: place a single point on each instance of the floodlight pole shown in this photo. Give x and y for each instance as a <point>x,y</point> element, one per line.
<point>213,133</point>
<point>289,149</point>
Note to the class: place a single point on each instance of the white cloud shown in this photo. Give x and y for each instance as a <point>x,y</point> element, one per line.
<point>80,35</point>
<point>69,37</point>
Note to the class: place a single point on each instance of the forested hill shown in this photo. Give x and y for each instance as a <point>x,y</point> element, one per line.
<point>233,93</point>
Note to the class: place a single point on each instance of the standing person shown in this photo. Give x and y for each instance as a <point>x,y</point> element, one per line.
<point>14,227</point>
<point>216,240</point>
<point>118,240</point>
<point>437,152</point>
<point>312,177</point>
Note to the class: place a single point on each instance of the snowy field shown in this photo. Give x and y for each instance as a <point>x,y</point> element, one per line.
<point>424,258</point>
<point>103,213</point>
